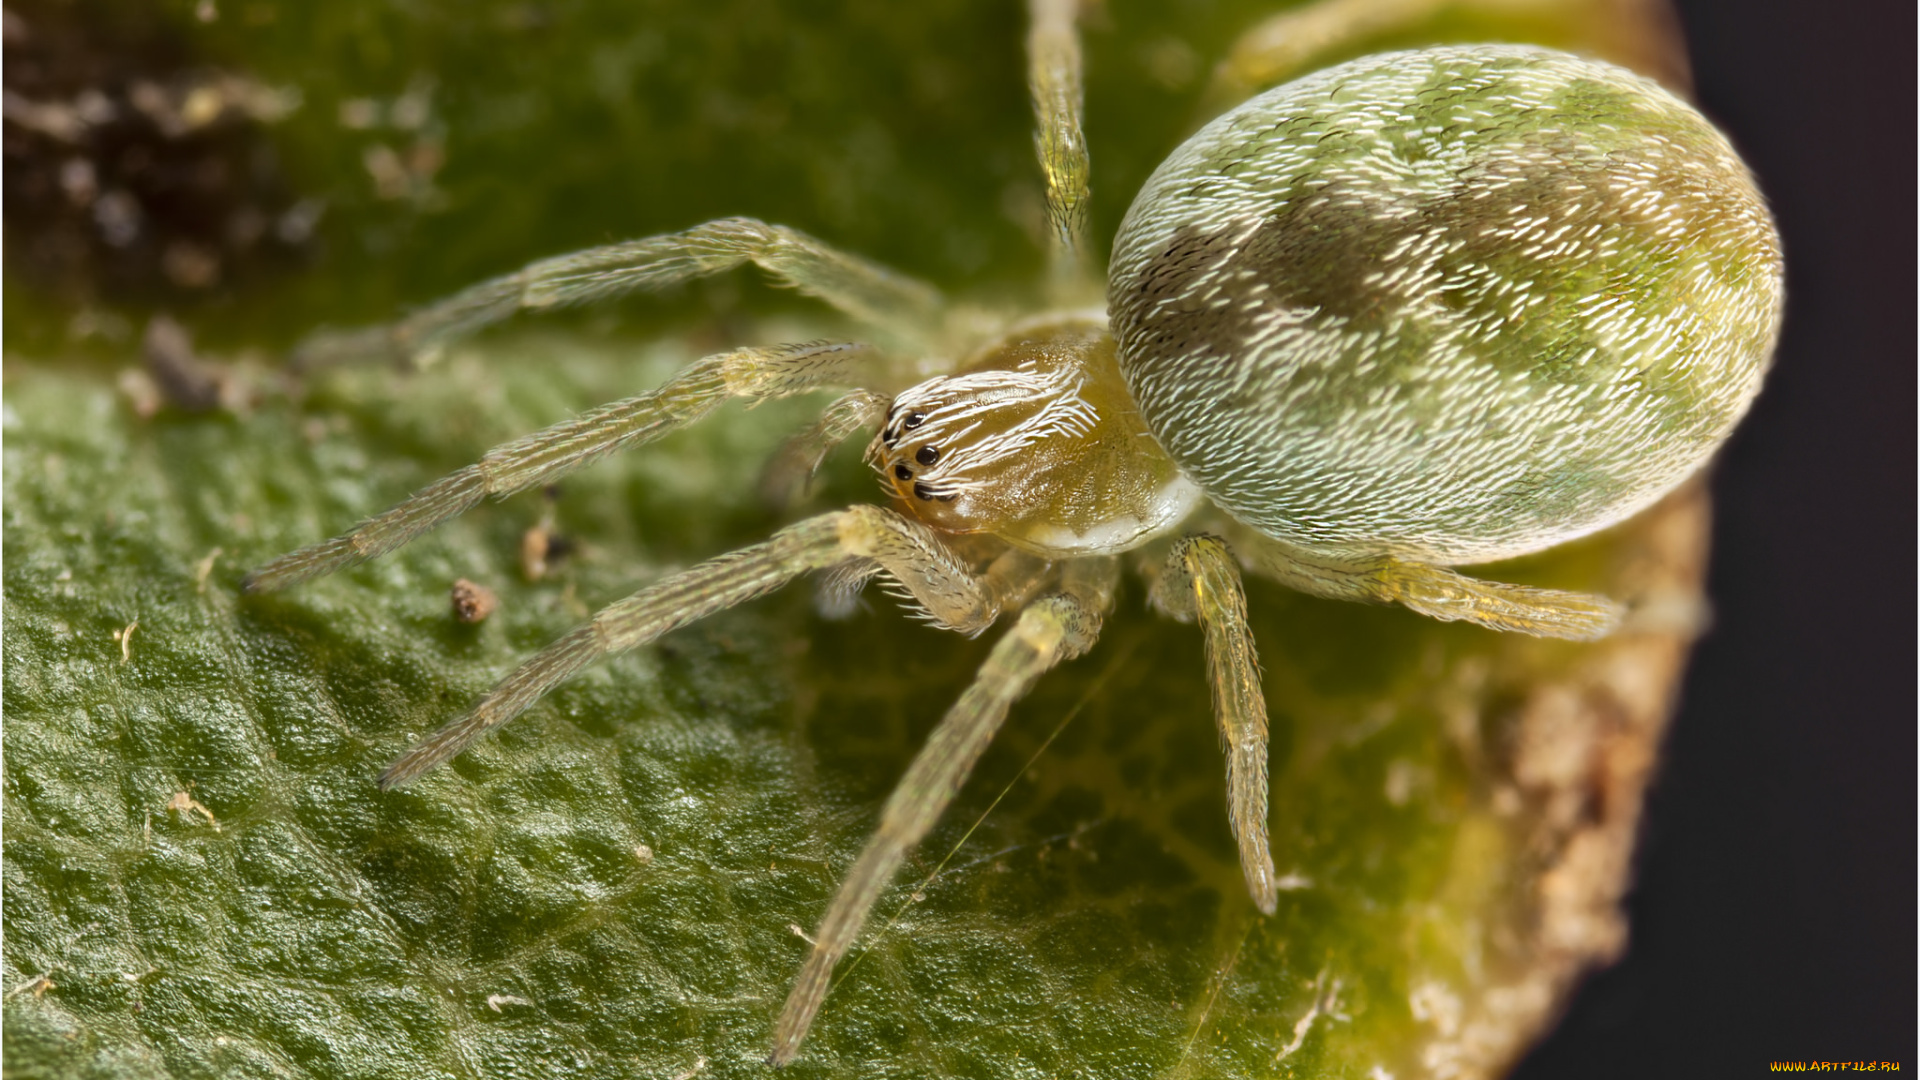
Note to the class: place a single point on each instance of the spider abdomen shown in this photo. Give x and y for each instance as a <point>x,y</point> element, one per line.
<point>1455,305</point>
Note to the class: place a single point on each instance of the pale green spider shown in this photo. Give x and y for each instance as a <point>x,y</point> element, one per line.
<point>1414,311</point>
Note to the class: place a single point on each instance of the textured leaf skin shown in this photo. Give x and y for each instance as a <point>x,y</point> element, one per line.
<point>1455,805</point>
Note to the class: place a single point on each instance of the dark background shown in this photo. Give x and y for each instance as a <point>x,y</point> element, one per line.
<point>1775,904</point>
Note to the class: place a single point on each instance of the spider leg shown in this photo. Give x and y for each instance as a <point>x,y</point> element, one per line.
<point>789,472</point>
<point>1054,79</point>
<point>754,373</point>
<point>912,554</point>
<point>1291,43</point>
<point>1201,579</point>
<point>1446,595</point>
<point>865,290</point>
<point>1058,626</point>
<point>1436,591</point>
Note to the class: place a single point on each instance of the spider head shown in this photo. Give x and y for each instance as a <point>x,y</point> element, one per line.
<point>973,452</point>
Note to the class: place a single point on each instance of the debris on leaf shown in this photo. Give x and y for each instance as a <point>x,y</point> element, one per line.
<point>184,803</point>
<point>472,602</point>
<point>125,637</point>
<point>203,569</point>
<point>167,352</point>
<point>37,986</point>
<point>540,546</point>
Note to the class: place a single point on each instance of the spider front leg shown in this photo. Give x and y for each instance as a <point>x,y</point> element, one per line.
<point>1058,626</point>
<point>914,556</point>
<point>1201,580</point>
<point>756,374</point>
<point>867,291</point>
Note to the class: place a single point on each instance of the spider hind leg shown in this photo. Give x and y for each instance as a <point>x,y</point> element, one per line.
<point>1056,627</point>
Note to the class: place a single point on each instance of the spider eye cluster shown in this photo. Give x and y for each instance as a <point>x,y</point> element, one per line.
<point>927,455</point>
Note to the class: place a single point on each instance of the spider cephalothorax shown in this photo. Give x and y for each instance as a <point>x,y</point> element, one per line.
<point>1036,442</point>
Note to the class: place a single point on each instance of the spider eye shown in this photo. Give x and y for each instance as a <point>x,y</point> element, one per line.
<point>924,493</point>
<point>903,472</point>
<point>914,420</point>
<point>927,455</point>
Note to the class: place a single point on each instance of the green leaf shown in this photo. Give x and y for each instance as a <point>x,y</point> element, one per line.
<point>202,880</point>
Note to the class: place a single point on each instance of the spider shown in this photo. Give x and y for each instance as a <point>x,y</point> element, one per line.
<point>1415,311</point>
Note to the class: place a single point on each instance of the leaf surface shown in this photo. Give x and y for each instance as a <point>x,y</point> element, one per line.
<point>202,880</point>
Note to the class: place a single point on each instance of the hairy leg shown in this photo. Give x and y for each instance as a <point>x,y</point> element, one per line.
<point>1054,79</point>
<point>1447,595</point>
<point>1201,580</point>
<point>865,290</point>
<point>1435,591</point>
<point>546,455</point>
<point>789,472</point>
<point>1056,627</point>
<point>907,551</point>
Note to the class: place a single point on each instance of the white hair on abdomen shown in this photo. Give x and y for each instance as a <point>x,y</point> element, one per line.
<point>1455,304</point>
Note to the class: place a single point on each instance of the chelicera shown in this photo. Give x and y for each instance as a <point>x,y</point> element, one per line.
<point>1412,312</point>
